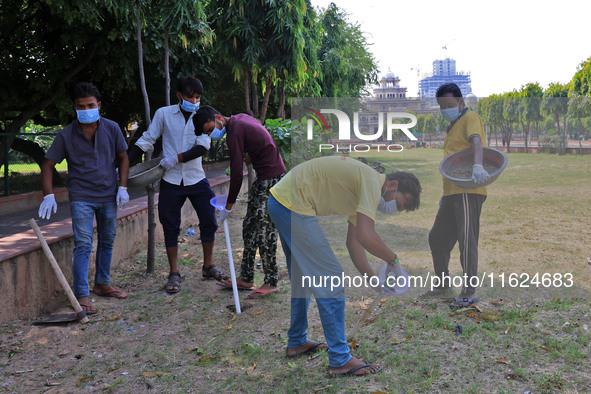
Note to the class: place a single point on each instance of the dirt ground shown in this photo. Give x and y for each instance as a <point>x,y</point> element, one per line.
<point>69,357</point>
<point>517,340</point>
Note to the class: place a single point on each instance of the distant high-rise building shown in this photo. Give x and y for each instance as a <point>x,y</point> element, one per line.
<point>444,71</point>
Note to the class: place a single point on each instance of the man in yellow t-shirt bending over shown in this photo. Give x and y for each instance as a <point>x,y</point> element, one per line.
<point>321,187</point>
<point>458,218</point>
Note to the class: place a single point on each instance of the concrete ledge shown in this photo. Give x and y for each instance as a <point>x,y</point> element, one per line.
<point>27,281</point>
<point>22,202</point>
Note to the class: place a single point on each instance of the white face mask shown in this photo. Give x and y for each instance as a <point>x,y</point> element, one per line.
<point>450,114</point>
<point>388,206</point>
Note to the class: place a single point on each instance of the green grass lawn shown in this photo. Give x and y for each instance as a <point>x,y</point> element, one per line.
<point>536,338</point>
<point>31,167</point>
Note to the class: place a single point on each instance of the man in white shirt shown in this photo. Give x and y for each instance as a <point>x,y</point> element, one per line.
<point>183,178</point>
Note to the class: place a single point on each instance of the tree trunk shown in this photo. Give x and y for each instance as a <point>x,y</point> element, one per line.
<point>140,57</point>
<point>255,100</point>
<point>281,109</point>
<point>265,100</point>
<point>247,93</point>
<point>166,68</point>
<point>525,127</point>
<point>150,188</point>
<point>508,137</point>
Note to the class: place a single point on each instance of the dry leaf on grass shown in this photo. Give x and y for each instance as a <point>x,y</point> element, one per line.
<point>475,307</point>
<point>501,360</point>
<point>353,344</point>
<point>116,317</point>
<point>322,388</point>
<point>498,302</point>
<point>256,313</point>
<point>570,323</point>
<point>205,360</point>
<point>18,373</point>
<point>396,341</point>
<point>83,379</point>
<point>540,346</point>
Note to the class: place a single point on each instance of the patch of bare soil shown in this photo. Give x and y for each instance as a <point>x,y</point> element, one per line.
<point>150,340</point>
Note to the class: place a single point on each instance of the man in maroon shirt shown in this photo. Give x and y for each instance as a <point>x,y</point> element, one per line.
<point>245,135</point>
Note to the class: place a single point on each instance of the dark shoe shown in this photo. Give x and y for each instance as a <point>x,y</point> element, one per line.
<point>212,272</point>
<point>174,283</point>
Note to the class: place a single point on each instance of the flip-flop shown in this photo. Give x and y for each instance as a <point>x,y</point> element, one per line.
<point>261,293</point>
<point>89,309</point>
<point>352,371</point>
<point>230,287</point>
<point>114,292</point>
<point>311,350</point>
<point>469,301</point>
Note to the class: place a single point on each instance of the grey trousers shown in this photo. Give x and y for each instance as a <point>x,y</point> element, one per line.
<point>458,220</point>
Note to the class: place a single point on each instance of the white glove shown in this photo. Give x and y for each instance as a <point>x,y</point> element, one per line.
<point>224,214</point>
<point>479,174</point>
<point>47,205</point>
<point>122,197</point>
<point>395,268</point>
<point>169,162</point>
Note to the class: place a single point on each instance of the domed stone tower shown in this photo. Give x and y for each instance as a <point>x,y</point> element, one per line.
<point>390,87</point>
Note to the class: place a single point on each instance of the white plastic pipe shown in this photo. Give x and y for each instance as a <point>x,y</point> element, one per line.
<point>231,262</point>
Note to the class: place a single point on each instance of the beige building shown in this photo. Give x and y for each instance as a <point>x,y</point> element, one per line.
<point>390,96</point>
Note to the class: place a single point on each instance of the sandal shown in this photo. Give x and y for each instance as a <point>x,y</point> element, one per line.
<point>174,283</point>
<point>212,272</point>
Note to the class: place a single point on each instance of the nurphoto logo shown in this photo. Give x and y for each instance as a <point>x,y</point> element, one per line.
<point>392,126</point>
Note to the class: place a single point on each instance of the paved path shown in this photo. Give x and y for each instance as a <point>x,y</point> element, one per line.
<point>19,222</point>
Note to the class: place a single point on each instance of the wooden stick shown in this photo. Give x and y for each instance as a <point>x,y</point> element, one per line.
<point>58,272</point>
<point>361,320</point>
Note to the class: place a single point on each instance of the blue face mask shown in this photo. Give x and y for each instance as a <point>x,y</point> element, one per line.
<point>217,134</point>
<point>189,106</point>
<point>86,116</point>
<point>450,114</point>
<point>388,206</point>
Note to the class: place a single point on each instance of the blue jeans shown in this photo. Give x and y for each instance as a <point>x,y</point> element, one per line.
<point>83,214</point>
<point>309,252</point>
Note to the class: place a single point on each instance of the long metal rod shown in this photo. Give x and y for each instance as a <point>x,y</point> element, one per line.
<point>231,263</point>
